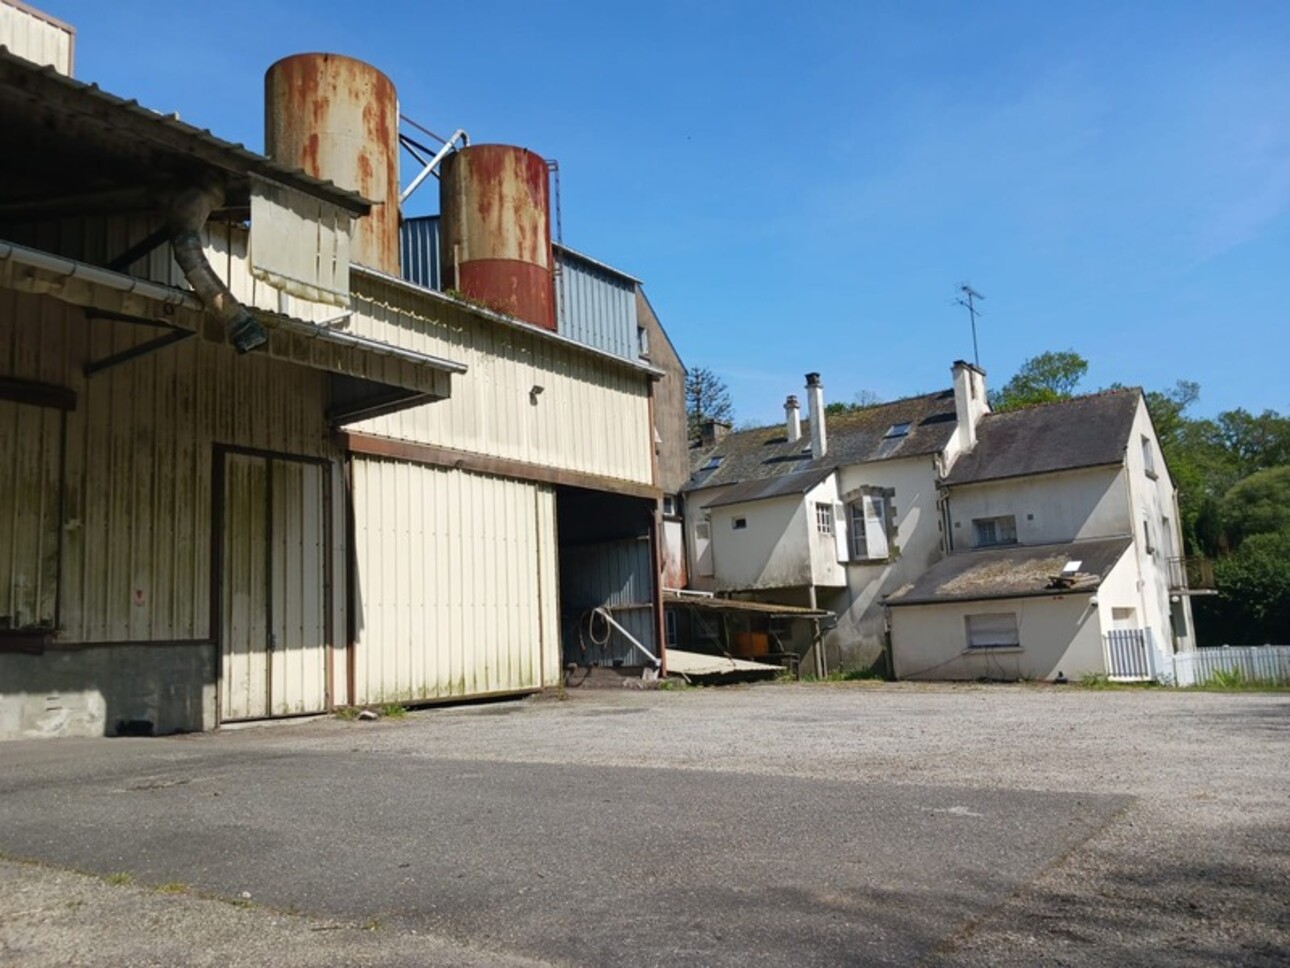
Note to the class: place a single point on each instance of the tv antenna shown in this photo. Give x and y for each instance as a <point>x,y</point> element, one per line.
<point>970,305</point>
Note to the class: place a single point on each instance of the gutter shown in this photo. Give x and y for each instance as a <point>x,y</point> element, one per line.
<point>72,269</point>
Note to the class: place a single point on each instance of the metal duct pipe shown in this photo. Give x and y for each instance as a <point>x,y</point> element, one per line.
<point>187,215</point>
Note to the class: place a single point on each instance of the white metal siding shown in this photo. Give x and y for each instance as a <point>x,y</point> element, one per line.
<point>454,583</point>
<point>39,39</point>
<point>591,415</point>
<point>137,474</point>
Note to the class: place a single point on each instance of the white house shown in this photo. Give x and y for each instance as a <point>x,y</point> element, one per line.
<point>1064,552</point>
<point>834,516</point>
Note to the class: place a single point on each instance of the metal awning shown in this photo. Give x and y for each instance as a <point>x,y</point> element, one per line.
<point>368,376</point>
<point>713,604</point>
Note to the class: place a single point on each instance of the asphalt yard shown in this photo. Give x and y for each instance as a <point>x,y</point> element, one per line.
<point>773,825</point>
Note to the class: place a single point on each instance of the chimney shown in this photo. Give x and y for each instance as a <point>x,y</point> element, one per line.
<point>815,402</point>
<point>793,419</point>
<point>969,401</point>
<point>712,432</point>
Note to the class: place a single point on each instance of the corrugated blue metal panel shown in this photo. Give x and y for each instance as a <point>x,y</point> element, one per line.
<point>419,251</point>
<point>596,306</point>
<point>618,576</point>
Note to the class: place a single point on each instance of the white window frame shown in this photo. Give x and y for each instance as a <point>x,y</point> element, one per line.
<point>1148,458</point>
<point>870,526</point>
<point>823,517</point>
<point>998,524</point>
<point>992,630</point>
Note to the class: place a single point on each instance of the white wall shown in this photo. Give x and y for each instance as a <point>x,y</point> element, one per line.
<point>1065,506</point>
<point>858,638</point>
<point>1058,634</point>
<point>773,551</point>
<point>1153,502</point>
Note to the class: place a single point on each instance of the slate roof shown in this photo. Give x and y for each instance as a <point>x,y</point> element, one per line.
<point>853,438</point>
<point>765,487</point>
<point>1081,432</point>
<point>1017,571</point>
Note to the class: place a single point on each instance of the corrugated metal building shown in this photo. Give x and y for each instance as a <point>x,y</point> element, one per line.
<point>380,503</point>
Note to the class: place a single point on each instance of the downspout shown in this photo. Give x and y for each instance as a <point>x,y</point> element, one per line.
<point>185,218</point>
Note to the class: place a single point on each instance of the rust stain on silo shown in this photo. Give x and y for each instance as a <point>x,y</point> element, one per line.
<point>496,227</point>
<point>337,118</point>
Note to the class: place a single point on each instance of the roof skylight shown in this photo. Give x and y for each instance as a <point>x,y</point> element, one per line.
<point>896,430</point>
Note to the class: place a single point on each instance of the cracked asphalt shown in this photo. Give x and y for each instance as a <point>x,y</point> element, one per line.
<point>825,824</point>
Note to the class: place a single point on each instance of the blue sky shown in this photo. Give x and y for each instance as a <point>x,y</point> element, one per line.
<point>803,186</point>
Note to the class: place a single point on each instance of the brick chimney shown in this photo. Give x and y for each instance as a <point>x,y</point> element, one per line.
<point>792,419</point>
<point>815,400</point>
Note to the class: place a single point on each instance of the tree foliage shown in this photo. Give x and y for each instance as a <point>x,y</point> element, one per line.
<point>706,398</point>
<point>1253,602</point>
<point>1045,378</point>
<point>861,400</point>
<point>1257,505</point>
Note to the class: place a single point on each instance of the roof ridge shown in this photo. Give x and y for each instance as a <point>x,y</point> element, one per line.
<point>867,408</point>
<point>1091,395</point>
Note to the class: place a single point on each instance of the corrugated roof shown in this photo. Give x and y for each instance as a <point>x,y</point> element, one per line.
<point>853,438</point>
<point>1015,572</point>
<point>43,95</point>
<point>768,487</point>
<point>1083,432</point>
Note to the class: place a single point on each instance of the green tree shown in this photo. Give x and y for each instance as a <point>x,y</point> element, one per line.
<point>1045,378</point>
<point>1255,442</point>
<point>861,400</point>
<point>706,398</point>
<point>1253,601</point>
<point>1256,505</point>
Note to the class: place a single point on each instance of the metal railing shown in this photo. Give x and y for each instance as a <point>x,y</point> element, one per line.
<point>1129,655</point>
<point>1191,572</point>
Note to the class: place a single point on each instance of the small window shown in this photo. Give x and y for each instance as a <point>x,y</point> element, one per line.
<point>669,621</point>
<point>1148,538</point>
<point>869,520</point>
<point>824,518</point>
<point>669,505</point>
<point>1148,457</point>
<point>1001,530</point>
<point>713,463</point>
<point>702,531</point>
<point>739,524</point>
<point>896,430</point>
<point>993,630</point>
<point>642,341</point>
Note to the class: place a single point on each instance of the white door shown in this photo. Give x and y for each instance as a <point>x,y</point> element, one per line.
<point>274,630</point>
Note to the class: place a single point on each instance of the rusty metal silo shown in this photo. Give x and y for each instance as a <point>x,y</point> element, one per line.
<point>495,207</point>
<point>338,118</point>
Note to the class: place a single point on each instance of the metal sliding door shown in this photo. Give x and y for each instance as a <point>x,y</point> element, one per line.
<point>274,602</point>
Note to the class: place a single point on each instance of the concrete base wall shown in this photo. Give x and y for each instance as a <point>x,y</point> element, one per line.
<point>97,691</point>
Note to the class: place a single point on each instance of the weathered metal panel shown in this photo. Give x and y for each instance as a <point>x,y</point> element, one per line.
<point>300,244</point>
<point>419,255</point>
<point>31,445</point>
<point>245,580</point>
<point>136,478</point>
<point>337,118</point>
<point>36,36</point>
<point>616,575</point>
<point>452,596</point>
<point>496,230</point>
<point>596,307</point>
<point>589,415</point>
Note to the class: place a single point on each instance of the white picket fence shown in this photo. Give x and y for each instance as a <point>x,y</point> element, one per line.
<point>1254,663</point>
<point>1134,655</point>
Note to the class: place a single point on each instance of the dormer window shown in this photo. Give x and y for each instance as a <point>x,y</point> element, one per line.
<point>896,430</point>
<point>713,463</point>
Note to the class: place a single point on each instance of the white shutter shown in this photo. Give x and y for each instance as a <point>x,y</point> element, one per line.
<point>875,526</point>
<point>840,532</point>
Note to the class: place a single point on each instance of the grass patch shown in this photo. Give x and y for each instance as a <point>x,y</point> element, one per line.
<point>120,879</point>
<point>174,887</point>
<point>1233,680</point>
<point>391,710</point>
<point>347,713</point>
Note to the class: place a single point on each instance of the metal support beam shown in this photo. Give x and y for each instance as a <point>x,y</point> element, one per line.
<point>143,349</point>
<point>137,251</point>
